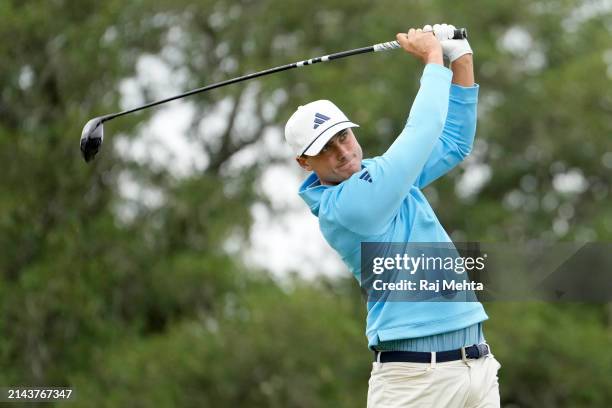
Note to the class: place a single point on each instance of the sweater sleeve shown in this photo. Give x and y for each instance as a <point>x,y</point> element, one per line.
<point>457,137</point>
<point>366,203</point>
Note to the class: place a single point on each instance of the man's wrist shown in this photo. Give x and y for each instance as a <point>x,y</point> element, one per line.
<point>463,71</point>
<point>435,57</point>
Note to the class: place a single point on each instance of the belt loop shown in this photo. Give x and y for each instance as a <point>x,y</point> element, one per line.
<point>463,355</point>
<point>378,353</point>
<point>433,360</point>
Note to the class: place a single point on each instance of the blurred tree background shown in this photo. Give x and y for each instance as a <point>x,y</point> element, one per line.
<point>143,302</point>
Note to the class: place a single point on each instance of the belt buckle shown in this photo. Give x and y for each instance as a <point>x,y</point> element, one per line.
<point>483,349</point>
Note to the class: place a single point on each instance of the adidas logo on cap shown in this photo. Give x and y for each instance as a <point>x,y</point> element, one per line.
<point>319,119</point>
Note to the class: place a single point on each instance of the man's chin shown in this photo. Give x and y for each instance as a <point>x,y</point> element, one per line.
<point>350,171</point>
<point>345,174</point>
<point>356,168</point>
<point>353,167</point>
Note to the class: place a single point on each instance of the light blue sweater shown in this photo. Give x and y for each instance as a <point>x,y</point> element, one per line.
<point>391,208</point>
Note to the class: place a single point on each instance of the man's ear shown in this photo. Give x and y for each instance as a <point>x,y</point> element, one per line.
<point>302,161</point>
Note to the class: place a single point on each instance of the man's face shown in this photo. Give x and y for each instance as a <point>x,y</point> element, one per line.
<point>339,159</point>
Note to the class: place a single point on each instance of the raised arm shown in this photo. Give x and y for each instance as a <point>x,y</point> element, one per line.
<point>458,135</point>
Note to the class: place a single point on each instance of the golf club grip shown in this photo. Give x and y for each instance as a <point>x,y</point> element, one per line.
<point>459,34</point>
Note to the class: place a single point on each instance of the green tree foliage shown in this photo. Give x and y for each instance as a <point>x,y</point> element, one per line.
<point>136,303</point>
<point>258,350</point>
<point>553,355</point>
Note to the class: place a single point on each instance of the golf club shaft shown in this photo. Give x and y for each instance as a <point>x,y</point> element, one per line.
<point>391,45</point>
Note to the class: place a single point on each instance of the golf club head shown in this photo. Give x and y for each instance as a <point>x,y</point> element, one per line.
<point>91,138</point>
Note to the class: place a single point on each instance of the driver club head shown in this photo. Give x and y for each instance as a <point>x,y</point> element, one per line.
<point>91,138</point>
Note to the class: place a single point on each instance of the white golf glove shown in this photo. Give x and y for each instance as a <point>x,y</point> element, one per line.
<point>452,49</point>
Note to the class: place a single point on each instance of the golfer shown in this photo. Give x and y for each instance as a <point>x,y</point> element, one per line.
<point>426,354</point>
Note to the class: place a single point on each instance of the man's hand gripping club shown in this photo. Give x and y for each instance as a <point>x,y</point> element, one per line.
<point>423,45</point>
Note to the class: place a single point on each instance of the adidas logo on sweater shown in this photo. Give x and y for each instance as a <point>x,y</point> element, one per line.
<point>366,176</point>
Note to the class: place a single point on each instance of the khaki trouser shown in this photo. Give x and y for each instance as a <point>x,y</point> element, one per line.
<point>472,383</point>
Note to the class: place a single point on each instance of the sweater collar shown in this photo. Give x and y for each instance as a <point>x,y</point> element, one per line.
<point>311,191</point>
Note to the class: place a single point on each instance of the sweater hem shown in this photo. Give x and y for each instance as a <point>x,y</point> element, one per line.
<point>430,328</point>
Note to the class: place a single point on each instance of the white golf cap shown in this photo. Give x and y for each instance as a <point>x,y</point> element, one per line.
<point>312,125</point>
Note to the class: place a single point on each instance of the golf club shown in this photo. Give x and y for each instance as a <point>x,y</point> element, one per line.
<point>93,132</point>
